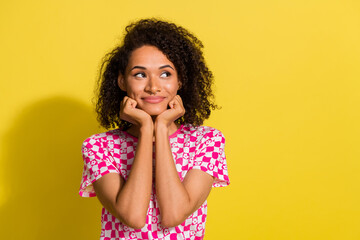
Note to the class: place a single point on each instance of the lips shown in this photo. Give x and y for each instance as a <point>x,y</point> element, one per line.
<point>153,99</point>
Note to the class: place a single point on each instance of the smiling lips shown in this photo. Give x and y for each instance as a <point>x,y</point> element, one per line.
<point>153,99</point>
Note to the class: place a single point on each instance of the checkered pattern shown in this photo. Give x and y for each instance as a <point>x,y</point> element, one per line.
<point>192,147</point>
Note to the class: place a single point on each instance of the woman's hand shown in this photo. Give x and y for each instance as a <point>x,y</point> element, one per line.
<point>130,113</point>
<point>176,199</point>
<point>128,200</point>
<point>170,115</point>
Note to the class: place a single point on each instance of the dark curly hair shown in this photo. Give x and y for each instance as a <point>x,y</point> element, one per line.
<point>181,47</point>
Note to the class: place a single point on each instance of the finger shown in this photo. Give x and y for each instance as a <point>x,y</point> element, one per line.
<point>172,104</point>
<point>127,102</point>
<point>132,102</point>
<point>122,103</point>
<point>179,100</point>
<point>180,104</point>
<point>176,98</point>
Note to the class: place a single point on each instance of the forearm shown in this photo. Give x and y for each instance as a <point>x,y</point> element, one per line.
<point>174,200</point>
<point>133,199</point>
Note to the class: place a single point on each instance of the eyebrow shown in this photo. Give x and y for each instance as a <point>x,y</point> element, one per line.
<point>144,68</point>
<point>165,66</point>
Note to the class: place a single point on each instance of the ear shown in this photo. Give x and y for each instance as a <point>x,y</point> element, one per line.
<point>180,85</point>
<point>121,82</point>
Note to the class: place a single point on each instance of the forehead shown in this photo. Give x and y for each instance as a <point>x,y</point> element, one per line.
<point>148,56</point>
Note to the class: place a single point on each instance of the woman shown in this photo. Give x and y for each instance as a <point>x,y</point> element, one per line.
<point>154,172</point>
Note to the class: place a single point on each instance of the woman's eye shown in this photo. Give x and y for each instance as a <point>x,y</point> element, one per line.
<point>140,75</point>
<point>165,74</point>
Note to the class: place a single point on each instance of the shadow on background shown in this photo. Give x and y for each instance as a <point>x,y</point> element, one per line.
<point>43,167</point>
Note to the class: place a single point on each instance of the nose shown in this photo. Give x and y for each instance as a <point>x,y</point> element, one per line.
<point>153,86</point>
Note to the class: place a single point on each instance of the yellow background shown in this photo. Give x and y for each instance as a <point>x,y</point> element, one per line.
<point>287,78</point>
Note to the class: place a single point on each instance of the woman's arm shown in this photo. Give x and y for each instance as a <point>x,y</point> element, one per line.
<point>129,200</point>
<point>177,200</point>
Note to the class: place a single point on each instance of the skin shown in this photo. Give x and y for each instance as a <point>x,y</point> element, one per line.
<point>150,73</point>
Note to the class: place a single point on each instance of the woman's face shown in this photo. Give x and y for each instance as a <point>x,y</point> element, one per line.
<point>150,79</point>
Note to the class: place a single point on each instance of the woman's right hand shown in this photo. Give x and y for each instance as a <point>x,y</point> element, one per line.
<point>130,113</point>
<point>128,200</point>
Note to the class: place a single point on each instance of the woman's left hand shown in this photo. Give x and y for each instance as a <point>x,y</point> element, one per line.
<point>176,111</point>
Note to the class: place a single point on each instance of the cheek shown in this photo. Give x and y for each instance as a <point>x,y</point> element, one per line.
<point>133,90</point>
<point>172,88</point>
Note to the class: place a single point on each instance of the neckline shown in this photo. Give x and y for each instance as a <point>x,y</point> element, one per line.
<point>171,136</point>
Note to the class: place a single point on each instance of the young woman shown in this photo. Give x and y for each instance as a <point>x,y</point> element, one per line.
<point>154,171</point>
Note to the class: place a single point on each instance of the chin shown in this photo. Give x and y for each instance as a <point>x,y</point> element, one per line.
<point>154,112</point>
<point>154,109</point>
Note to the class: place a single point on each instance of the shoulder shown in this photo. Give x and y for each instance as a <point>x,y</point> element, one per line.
<point>202,132</point>
<point>105,137</point>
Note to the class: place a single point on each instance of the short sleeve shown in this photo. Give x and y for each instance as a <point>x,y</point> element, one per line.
<point>210,157</point>
<point>97,163</point>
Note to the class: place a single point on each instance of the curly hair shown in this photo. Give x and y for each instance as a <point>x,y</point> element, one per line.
<point>181,47</point>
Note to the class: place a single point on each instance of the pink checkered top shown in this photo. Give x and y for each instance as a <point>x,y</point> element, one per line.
<point>192,148</point>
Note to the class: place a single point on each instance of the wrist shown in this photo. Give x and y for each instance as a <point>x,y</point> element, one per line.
<point>147,128</point>
<point>162,123</point>
<point>161,128</point>
<point>146,122</point>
